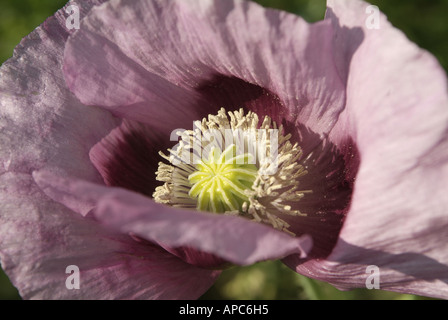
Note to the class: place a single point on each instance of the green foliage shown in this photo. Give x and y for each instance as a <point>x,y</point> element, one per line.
<point>424,22</point>
<point>272,280</point>
<point>7,291</point>
<point>19,18</point>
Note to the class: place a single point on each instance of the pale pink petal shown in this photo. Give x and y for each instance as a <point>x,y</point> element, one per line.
<point>397,113</point>
<point>100,74</point>
<point>281,67</point>
<point>231,238</point>
<point>39,239</point>
<point>41,122</point>
<point>190,44</point>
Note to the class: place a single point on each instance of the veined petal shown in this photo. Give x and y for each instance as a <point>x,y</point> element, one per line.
<point>40,238</point>
<point>397,113</point>
<point>100,74</point>
<point>190,43</point>
<point>41,122</point>
<point>234,239</point>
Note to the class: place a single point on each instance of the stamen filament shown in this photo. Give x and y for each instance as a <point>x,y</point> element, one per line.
<point>230,181</point>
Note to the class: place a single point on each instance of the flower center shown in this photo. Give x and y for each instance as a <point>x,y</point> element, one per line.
<point>220,181</point>
<point>232,165</point>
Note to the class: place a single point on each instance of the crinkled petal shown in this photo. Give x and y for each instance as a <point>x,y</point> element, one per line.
<point>99,73</point>
<point>40,238</point>
<point>397,113</point>
<point>41,122</point>
<point>189,43</point>
<point>234,239</point>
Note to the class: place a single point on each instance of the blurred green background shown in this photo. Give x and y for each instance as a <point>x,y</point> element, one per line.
<point>424,22</point>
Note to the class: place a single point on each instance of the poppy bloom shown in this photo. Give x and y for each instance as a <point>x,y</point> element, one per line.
<point>91,177</point>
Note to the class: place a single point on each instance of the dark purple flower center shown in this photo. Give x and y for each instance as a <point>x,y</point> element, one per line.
<point>128,158</point>
<point>230,164</point>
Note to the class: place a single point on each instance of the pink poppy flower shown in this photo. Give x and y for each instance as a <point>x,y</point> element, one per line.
<point>362,162</point>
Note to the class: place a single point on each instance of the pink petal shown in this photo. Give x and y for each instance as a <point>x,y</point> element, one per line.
<point>234,239</point>
<point>128,156</point>
<point>222,81</point>
<point>39,239</point>
<point>42,123</point>
<point>132,45</point>
<point>397,112</point>
<point>100,74</point>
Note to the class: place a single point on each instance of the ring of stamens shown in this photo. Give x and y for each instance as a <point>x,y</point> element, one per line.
<point>233,172</point>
